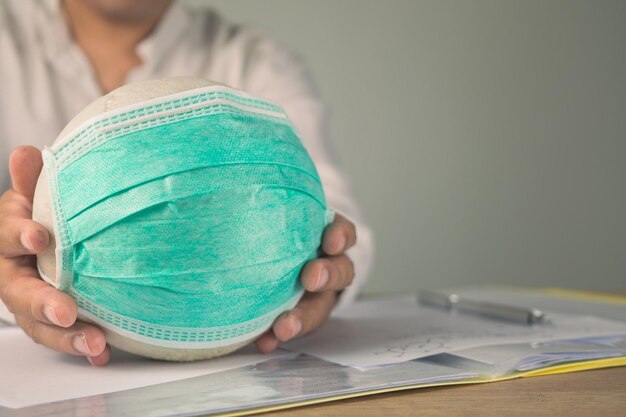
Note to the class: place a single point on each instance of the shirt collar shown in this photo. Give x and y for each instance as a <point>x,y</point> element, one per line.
<point>60,46</point>
<point>167,33</point>
<point>52,18</point>
<point>56,39</point>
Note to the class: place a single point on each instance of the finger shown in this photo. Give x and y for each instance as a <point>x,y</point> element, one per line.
<point>26,295</point>
<point>20,236</point>
<point>339,236</point>
<point>308,315</point>
<point>81,339</point>
<point>267,342</point>
<point>324,274</point>
<point>101,359</point>
<point>25,164</point>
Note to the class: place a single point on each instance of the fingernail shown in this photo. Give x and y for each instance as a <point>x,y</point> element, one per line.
<point>297,328</point>
<point>322,280</point>
<point>79,342</point>
<point>51,315</point>
<point>25,241</point>
<point>341,243</point>
<point>270,345</point>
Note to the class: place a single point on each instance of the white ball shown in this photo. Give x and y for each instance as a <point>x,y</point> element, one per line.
<point>42,211</point>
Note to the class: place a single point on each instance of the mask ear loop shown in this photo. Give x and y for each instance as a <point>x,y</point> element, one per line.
<point>63,251</point>
<point>329,216</point>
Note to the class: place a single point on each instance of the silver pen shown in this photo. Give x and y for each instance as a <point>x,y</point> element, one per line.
<point>454,302</point>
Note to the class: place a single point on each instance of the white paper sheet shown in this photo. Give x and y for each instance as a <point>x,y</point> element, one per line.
<point>31,374</point>
<point>373,333</point>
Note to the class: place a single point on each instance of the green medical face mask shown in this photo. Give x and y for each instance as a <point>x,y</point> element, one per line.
<point>184,222</point>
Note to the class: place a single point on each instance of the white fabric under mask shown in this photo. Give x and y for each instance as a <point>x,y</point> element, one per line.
<point>184,221</point>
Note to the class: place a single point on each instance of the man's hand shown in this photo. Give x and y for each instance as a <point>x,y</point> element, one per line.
<point>322,279</point>
<point>46,314</point>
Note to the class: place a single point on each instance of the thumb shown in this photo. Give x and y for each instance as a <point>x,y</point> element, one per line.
<point>25,164</point>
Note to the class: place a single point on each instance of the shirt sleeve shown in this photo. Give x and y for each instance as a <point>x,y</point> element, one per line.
<point>276,74</point>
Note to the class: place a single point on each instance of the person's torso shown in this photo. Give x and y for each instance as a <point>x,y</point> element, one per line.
<point>47,80</point>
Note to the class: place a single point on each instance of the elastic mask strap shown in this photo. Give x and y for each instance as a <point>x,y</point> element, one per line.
<point>63,251</point>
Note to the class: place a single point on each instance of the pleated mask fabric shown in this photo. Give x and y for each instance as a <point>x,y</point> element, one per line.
<point>184,221</point>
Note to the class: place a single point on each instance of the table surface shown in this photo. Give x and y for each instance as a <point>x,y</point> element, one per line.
<point>596,393</point>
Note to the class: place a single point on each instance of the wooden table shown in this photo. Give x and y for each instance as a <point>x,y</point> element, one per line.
<point>597,393</point>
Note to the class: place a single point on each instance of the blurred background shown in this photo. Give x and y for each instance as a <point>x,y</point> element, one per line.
<point>486,139</point>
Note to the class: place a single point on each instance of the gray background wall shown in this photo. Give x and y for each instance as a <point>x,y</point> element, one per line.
<point>486,139</point>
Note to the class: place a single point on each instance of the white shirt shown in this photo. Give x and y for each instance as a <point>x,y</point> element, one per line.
<point>46,80</point>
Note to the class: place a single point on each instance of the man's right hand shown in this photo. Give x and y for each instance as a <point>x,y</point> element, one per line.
<point>46,314</point>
